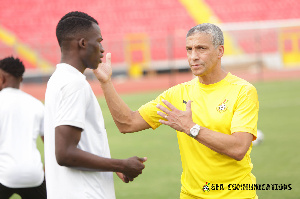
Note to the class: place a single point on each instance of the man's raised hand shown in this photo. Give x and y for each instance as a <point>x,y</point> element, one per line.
<point>104,70</point>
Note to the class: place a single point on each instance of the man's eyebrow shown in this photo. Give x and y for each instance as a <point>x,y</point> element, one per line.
<point>196,46</point>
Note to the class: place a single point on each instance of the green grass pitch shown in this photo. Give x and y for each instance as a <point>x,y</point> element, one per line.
<point>276,160</point>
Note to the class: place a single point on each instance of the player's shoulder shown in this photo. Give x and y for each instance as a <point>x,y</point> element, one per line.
<point>179,89</point>
<point>185,85</point>
<point>67,74</point>
<point>72,86</point>
<point>29,100</point>
<point>67,79</point>
<point>245,88</point>
<point>235,80</point>
<point>33,99</point>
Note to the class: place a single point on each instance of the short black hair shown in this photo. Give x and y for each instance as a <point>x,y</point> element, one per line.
<point>13,66</point>
<point>71,24</point>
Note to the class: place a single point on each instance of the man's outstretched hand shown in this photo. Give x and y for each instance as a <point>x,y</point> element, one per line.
<point>104,71</point>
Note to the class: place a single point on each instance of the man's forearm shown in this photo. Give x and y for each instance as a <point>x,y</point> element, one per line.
<point>78,159</point>
<point>119,110</point>
<point>127,121</point>
<point>86,161</point>
<point>234,146</point>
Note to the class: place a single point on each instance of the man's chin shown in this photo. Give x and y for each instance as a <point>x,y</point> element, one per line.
<point>197,73</point>
<point>93,67</point>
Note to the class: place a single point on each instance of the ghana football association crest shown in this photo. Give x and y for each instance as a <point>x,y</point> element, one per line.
<point>223,106</point>
<point>205,187</point>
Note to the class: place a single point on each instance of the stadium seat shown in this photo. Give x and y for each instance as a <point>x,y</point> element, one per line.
<point>34,22</point>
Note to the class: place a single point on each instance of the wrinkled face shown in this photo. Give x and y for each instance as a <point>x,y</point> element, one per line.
<point>202,56</point>
<point>94,49</point>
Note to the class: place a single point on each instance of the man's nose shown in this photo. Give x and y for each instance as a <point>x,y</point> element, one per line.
<point>194,55</point>
<point>101,48</point>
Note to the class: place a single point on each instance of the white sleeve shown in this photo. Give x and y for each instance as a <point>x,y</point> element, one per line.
<point>71,109</point>
<point>41,131</point>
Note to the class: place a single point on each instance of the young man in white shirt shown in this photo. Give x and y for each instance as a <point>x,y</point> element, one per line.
<point>77,155</point>
<point>21,122</point>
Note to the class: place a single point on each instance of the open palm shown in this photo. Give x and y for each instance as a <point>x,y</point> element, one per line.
<point>104,71</point>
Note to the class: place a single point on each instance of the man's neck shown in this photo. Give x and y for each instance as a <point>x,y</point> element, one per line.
<point>11,86</point>
<point>73,62</point>
<point>12,82</point>
<point>213,78</point>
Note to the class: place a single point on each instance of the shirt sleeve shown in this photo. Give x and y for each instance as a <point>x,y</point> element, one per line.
<point>72,107</point>
<point>246,112</point>
<point>149,110</point>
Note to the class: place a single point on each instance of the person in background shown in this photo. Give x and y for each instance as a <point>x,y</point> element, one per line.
<point>21,122</point>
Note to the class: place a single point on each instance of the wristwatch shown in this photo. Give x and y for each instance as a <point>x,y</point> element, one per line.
<point>194,131</point>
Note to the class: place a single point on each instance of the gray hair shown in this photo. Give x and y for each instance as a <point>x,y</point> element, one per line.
<point>214,31</point>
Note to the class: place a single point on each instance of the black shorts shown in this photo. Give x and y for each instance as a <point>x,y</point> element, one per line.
<point>38,192</point>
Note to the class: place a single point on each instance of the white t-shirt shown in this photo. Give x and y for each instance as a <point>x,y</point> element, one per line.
<point>21,121</point>
<point>70,101</point>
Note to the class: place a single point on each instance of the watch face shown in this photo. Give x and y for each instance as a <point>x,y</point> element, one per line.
<point>194,132</point>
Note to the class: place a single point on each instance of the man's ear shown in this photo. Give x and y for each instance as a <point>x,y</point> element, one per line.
<point>82,43</point>
<point>221,51</point>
